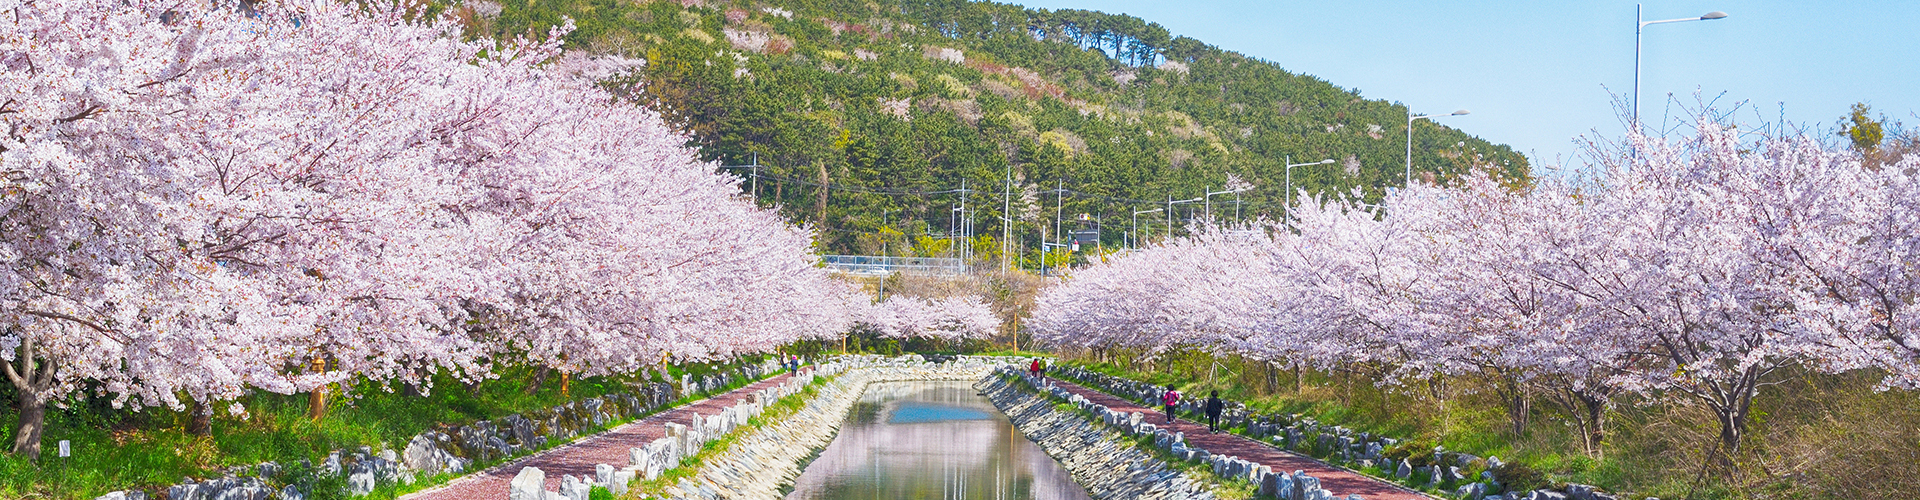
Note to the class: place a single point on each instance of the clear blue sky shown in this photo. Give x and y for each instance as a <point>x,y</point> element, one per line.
<point>1537,74</point>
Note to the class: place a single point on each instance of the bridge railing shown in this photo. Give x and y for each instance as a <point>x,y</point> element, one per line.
<point>877,265</point>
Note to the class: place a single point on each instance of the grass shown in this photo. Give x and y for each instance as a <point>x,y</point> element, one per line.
<point>115,449</point>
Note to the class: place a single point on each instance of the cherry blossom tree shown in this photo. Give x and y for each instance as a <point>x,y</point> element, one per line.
<point>948,319</point>
<point>199,202</point>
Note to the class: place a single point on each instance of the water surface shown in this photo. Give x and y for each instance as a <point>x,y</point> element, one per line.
<point>931,440</point>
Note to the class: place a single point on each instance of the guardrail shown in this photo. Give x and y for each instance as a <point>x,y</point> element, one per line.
<point>875,265</point>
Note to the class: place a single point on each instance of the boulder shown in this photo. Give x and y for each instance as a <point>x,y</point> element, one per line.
<point>621,479</point>
<point>1546,495</point>
<point>529,484</point>
<point>360,483</point>
<point>603,475</point>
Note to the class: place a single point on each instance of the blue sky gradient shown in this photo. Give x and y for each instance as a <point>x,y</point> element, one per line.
<point>1538,74</point>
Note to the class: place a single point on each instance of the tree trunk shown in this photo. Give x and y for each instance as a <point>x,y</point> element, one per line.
<point>1519,404</point>
<point>1273,378</point>
<point>823,195</point>
<point>200,419</point>
<point>33,421</point>
<point>31,380</point>
<point>539,378</point>
<point>564,378</point>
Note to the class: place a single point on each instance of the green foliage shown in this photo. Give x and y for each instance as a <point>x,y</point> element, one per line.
<point>1860,128</point>
<point>895,106</point>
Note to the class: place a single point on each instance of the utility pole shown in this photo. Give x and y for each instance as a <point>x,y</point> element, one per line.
<point>756,178</point>
<point>966,229</point>
<point>1006,224</point>
<point>1059,205</point>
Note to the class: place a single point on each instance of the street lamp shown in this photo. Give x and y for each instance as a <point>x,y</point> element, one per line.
<point>1410,119</point>
<point>1288,210</point>
<point>1170,203</point>
<point>1136,225</point>
<point>1637,28</point>
<point>1209,199</point>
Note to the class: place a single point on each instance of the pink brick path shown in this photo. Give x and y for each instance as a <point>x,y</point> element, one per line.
<point>579,457</point>
<point>1340,481</point>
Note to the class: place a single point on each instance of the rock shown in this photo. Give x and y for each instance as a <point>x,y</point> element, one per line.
<point>1405,470</point>
<point>117,495</point>
<point>360,483</point>
<point>574,489</point>
<point>332,465</point>
<point>186,490</point>
<point>603,475</point>
<point>1546,495</point>
<point>529,484</point>
<point>620,481</point>
<point>291,493</point>
<point>1471,491</point>
<point>267,470</point>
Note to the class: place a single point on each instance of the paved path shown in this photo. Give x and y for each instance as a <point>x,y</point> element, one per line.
<point>1340,481</point>
<point>579,457</point>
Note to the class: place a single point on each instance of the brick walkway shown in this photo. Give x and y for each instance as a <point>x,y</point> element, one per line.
<point>1340,481</point>
<point>579,457</point>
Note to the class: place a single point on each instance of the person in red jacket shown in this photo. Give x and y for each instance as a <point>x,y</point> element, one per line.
<point>1034,368</point>
<point>1169,399</point>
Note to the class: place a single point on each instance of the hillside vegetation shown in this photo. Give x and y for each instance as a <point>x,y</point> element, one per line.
<point>893,107</point>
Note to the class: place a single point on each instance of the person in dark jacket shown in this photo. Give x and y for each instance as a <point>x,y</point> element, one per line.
<point>1169,399</point>
<point>1213,411</point>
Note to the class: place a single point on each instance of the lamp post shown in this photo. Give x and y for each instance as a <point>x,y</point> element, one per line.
<point>1410,119</point>
<point>1639,26</point>
<point>1209,199</point>
<point>1170,203</point>
<point>1135,233</point>
<point>1288,209</point>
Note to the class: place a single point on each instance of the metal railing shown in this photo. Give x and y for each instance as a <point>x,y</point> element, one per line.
<point>875,265</point>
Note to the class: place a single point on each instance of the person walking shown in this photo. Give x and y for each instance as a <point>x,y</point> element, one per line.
<point>1034,368</point>
<point>1169,399</point>
<point>1213,411</point>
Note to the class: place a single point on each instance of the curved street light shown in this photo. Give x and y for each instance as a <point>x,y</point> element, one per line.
<point>1287,211</point>
<point>1410,119</point>
<point>1639,26</point>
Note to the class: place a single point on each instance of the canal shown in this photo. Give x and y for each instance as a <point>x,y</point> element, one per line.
<point>931,440</point>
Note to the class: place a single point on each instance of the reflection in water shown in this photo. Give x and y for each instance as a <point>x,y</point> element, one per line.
<point>931,440</point>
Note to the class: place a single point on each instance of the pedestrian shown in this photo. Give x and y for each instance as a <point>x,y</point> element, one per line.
<point>1169,399</point>
<point>1034,369</point>
<point>1213,411</point>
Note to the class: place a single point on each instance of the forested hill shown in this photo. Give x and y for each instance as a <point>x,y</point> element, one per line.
<point>893,106</point>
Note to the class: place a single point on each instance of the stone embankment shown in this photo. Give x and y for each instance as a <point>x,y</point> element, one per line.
<point>761,461</point>
<point>1100,458</point>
